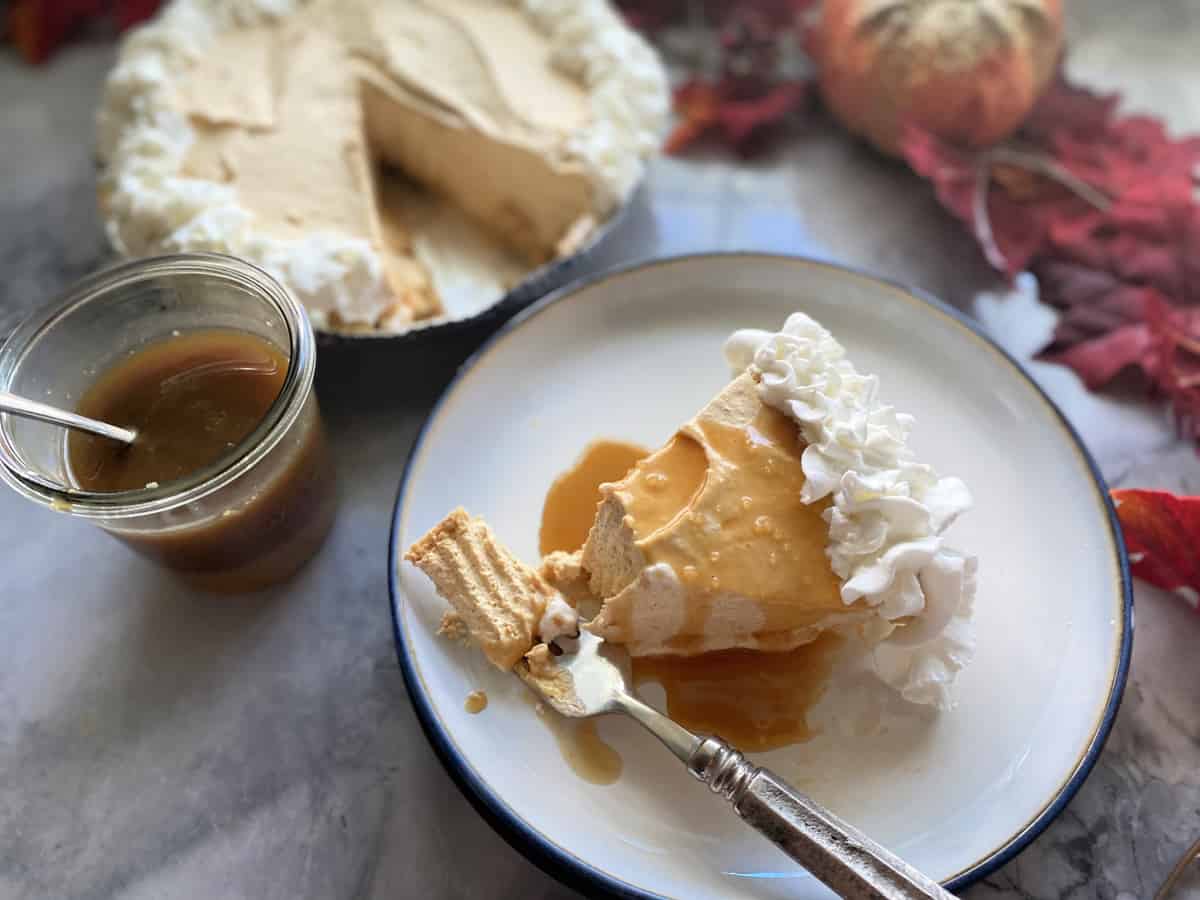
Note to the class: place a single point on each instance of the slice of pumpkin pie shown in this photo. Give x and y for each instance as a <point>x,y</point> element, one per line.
<point>790,506</point>
<point>707,544</point>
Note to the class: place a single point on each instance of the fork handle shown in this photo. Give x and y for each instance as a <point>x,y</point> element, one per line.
<point>834,851</point>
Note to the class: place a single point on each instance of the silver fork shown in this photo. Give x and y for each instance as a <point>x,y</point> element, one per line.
<point>834,851</point>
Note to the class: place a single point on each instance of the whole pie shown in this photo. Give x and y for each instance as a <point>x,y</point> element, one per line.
<point>789,507</point>
<point>392,161</point>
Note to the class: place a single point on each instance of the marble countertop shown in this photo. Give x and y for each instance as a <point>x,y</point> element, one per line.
<point>158,743</point>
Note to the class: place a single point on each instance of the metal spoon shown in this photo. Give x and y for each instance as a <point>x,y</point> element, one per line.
<point>588,681</point>
<point>32,409</point>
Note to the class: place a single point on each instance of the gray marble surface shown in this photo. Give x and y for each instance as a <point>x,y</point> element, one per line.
<point>157,743</point>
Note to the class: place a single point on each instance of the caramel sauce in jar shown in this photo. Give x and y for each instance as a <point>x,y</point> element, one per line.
<point>197,401</point>
<point>191,399</point>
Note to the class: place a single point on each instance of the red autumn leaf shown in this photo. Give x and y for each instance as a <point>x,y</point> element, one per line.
<point>744,121</point>
<point>1011,226</point>
<point>1177,361</point>
<point>1162,535</point>
<point>1066,109</point>
<point>741,122</point>
<point>776,13</point>
<point>652,15</point>
<point>1101,359</point>
<point>1092,301</point>
<point>952,171</point>
<point>1149,236</point>
<point>1135,328</point>
<point>749,95</point>
<point>1102,208</point>
<point>38,27</point>
<point>128,13</point>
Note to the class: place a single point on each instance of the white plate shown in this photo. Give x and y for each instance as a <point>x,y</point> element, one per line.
<point>631,355</point>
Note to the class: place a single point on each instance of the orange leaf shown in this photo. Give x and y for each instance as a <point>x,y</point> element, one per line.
<point>697,104</point>
<point>698,101</point>
<point>1162,535</point>
<point>684,135</point>
<point>37,27</point>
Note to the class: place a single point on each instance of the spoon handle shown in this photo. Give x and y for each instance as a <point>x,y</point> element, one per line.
<point>32,409</point>
<point>834,851</point>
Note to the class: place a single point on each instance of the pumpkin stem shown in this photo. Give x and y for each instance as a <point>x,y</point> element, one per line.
<point>981,221</point>
<point>1031,162</point>
<point>1048,168</point>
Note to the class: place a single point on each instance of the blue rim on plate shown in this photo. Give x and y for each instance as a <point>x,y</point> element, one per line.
<point>570,869</point>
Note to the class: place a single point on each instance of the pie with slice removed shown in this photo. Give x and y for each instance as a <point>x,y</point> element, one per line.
<point>391,161</point>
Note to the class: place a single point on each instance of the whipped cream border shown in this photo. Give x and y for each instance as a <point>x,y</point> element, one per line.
<point>143,140</point>
<point>888,511</point>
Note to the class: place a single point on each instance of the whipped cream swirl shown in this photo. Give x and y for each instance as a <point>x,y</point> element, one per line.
<point>889,511</point>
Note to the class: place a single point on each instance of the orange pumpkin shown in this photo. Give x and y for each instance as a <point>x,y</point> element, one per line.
<point>967,70</point>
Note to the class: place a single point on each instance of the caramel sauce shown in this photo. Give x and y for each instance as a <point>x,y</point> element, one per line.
<point>476,702</point>
<point>663,484</point>
<point>588,755</point>
<point>567,516</point>
<point>758,701</point>
<point>191,399</point>
<point>571,502</point>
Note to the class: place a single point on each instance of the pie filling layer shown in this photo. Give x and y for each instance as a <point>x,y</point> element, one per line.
<point>730,555</point>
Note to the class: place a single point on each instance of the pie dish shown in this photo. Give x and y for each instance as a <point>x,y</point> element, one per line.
<point>396,164</point>
<point>957,793</point>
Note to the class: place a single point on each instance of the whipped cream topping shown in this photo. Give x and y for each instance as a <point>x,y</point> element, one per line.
<point>144,137</point>
<point>626,82</point>
<point>888,511</point>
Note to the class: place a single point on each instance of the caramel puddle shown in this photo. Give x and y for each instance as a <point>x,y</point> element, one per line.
<point>588,755</point>
<point>571,502</point>
<point>757,701</point>
<point>585,751</point>
<point>567,516</point>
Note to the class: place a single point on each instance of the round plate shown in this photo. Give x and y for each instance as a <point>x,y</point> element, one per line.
<point>632,355</point>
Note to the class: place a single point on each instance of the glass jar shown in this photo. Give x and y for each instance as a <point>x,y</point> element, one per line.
<point>250,519</point>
